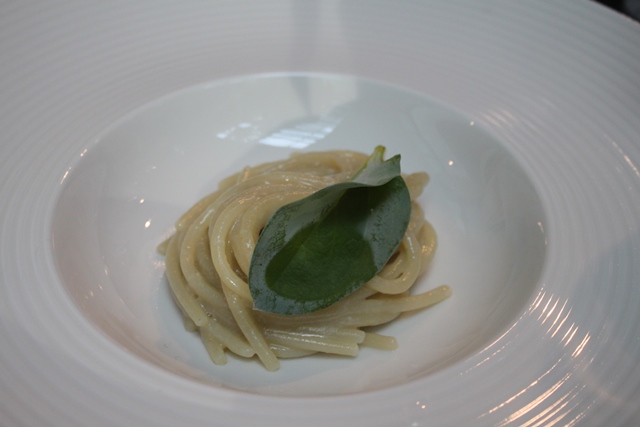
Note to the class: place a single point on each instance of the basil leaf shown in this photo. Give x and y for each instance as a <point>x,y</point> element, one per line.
<point>316,251</point>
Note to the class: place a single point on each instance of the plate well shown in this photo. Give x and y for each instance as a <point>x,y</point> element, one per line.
<point>120,200</point>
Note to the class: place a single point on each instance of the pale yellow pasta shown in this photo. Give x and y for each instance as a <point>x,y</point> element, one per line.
<point>208,257</point>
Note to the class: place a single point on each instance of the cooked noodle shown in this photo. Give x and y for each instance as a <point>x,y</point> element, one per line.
<point>208,258</point>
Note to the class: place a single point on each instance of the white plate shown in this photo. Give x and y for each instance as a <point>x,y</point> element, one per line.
<point>116,117</point>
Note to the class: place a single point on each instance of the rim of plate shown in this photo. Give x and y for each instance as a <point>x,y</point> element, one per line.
<point>533,73</point>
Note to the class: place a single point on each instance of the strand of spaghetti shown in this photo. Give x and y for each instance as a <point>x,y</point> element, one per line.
<point>338,333</point>
<point>313,342</point>
<point>183,294</point>
<point>429,241</point>
<point>189,216</point>
<point>221,253</point>
<point>193,235</point>
<point>331,315</point>
<point>400,284</point>
<point>402,304</point>
<point>380,342</point>
<point>368,318</point>
<point>230,338</point>
<point>195,279</point>
<point>223,325</point>
<point>284,352</point>
<point>204,264</point>
<point>242,314</point>
<point>327,163</point>
<point>417,218</point>
<point>415,183</point>
<point>396,264</point>
<point>213,346</point>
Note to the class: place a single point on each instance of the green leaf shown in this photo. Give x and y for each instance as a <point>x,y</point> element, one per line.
<point>316,251</point>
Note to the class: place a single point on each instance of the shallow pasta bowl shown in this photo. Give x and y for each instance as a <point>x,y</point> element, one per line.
<point>118,117</point>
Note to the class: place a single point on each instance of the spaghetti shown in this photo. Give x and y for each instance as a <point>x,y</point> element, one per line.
<point>207,263</point>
